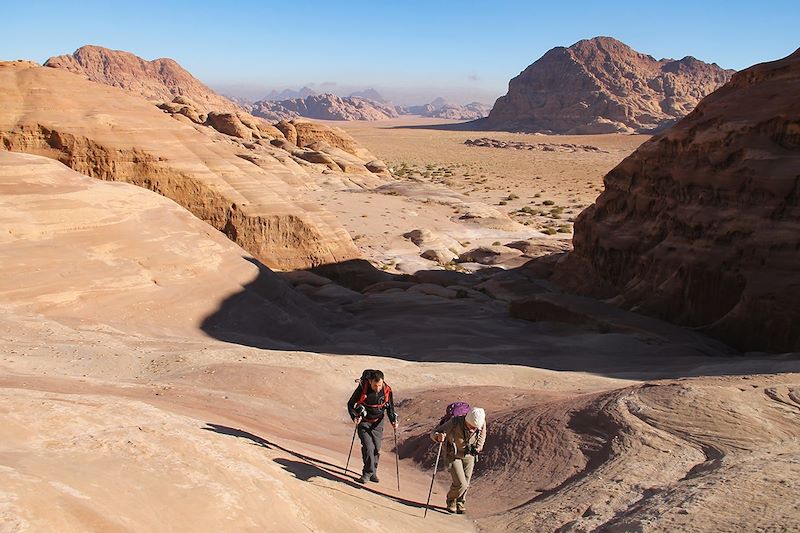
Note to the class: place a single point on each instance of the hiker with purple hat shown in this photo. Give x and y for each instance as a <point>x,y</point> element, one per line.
<point>463,434</point>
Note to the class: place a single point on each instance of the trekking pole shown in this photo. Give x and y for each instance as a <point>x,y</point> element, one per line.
<point>396,458</point>
<point>351,449</point>
<point>435,467</point>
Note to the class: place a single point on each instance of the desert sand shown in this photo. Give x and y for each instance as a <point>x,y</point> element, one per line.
<point>468,196</point>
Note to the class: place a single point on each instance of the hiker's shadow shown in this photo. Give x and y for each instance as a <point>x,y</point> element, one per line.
<point>308,467</point>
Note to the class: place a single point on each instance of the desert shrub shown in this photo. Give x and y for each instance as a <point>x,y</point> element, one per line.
<point>549,231</point>
<point>548,202</point>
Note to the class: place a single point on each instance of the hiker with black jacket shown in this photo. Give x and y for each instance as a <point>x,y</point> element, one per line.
<point>463,438</point>
<point>367,405</point>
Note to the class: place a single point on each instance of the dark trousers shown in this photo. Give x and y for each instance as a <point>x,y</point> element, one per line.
<point>371,434</point>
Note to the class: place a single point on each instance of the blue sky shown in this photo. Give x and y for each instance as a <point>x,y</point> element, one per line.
<point>412,51</point>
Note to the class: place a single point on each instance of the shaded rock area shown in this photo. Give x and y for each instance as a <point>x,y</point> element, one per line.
<point>601,85</point>
<point>700,225</point>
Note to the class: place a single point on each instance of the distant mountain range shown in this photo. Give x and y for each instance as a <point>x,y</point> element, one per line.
<point>368,104</point>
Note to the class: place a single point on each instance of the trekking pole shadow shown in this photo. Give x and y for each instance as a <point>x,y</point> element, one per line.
<point>309,467</point>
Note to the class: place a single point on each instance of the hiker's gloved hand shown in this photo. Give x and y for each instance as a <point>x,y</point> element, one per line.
<point>440,437</point>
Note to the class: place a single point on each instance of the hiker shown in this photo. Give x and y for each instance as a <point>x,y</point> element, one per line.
<point>463,438</point>
<point>367,405</point>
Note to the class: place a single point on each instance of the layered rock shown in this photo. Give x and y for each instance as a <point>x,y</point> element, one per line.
<point>158,80</point>
<point>701,225</point>
<point>324,107</point>
<point>253,195</point>
<point>601,85</point>
<point>124,256</point>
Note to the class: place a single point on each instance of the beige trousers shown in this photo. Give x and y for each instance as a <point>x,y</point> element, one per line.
<point>461,472</point>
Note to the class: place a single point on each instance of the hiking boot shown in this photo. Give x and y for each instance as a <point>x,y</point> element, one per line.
<point>451,507</point>
<point>374,478</point>
<point>363,479</point>
<point>460,510</point>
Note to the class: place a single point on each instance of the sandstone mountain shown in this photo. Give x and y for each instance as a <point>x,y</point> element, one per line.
<point>440,108</point>
<point>700,225</point>
<point>159,80</point>
<point>324,107</point>
<point>601,85</point>
<point>247,181</point>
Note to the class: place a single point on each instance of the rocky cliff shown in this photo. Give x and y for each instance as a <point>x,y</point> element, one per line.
<point>159,80</point>
<point>701,225</point>
<point>601,85</point>
<point>250,189</point>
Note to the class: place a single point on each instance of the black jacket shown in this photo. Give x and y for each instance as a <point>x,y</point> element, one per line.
<point>373,398</point>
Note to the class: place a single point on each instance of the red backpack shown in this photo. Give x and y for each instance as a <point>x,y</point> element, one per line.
<point>387,391</point>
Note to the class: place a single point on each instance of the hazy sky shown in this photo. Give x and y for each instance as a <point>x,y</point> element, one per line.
<point>411,51</point>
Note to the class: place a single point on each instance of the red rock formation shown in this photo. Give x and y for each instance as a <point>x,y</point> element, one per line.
<point>160,80</point>
<point>601,85</point>
<point>701,225</point>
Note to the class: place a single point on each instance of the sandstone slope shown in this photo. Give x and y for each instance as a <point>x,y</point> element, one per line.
<point>159,80</point>
<point>601,85</point>
<point>118,413</point>
<point>700,225</point>
<point>252,193</point>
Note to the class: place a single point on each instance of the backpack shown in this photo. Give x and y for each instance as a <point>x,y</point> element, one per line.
<point>454,409</point>
<point>365,376</point>
<point>387,391</point>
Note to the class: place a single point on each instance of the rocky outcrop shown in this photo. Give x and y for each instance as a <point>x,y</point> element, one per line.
<point>253,195</point>
<point>601,85</point>
<point>701,225</point>
<point>159,80</point>
<point>324,107</point>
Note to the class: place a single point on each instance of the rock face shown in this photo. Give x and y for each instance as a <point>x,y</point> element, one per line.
<point>324,107</point>
<point>701,225</point>
<point>159,80</point>
<point>253,195</point>
<point>601,85</point>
